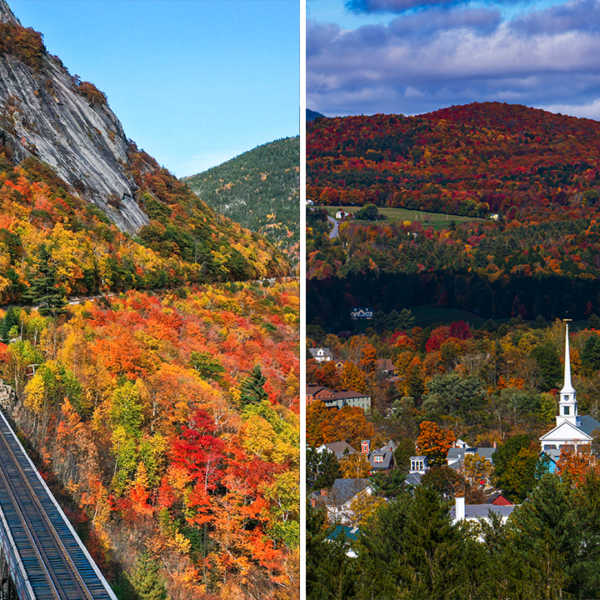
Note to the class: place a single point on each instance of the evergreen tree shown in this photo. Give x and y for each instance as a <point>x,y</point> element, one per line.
<point>208,366</point>
<point>550,366</point>
<point>252,388</point>
<point>590,355</point>
<point>322,469</point>
<point>433,549</point>
<point>542,556</point>
<point>330,572</point>
<point>45,291</point>
<point>147,580</point>
<point>381,551</point>
<point>10,321</point>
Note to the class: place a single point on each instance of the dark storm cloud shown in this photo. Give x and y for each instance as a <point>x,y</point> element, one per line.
<point>423,61</point>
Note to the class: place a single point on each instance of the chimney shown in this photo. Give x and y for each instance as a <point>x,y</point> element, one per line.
<point>460,509</point>
<point>454,444</point>
<point>495,444</point>
<point>324,492</point>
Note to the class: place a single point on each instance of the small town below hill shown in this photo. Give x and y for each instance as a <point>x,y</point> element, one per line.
<point>454,462</point>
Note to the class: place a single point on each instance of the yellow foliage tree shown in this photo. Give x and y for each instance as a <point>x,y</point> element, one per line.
<point>355,466</point>
<point>363,507</point>
<point>35,393</point>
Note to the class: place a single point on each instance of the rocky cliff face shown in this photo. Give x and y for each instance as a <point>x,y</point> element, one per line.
<point>66,123</point>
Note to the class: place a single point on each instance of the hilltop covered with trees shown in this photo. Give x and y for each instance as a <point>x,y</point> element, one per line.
<point>259,189</point>
<point>465,160</point>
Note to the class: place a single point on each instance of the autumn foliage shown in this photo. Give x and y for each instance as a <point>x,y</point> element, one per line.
<point>163,452</point>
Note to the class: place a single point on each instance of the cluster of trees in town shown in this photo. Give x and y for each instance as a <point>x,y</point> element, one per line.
<point>485,384</point>
<point>488,268</point>
<point>496,385</point>
<point>465,160</point>
<point>169,427</point>
<point>45,227</point>
<point>410,548</point>
<point>258,189</point>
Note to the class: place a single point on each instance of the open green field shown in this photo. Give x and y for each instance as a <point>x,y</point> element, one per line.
<point>436,220</point>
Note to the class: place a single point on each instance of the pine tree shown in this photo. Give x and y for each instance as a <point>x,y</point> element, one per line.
<point>252,388</point>
<point>45,291</point>
<point>546,542</point>
<point>322,469</point>
<point>330,572</point>
<point>147,580</point>
<point>433,549</point>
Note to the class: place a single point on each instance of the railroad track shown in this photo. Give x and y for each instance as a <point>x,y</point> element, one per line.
<point>55,563</point>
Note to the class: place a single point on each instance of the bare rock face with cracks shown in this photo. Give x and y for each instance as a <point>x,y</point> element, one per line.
<point>67,123</point>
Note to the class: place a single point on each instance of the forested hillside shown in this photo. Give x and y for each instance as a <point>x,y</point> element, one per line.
<point>465,160</point>
<point>259,189</point>
<point>154,233</point>
<point>170,426</point>
<point>537,171</point>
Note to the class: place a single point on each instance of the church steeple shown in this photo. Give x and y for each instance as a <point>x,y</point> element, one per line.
<point>567,408</point>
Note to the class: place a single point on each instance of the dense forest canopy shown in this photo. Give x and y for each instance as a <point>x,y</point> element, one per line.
<point>465,160</point>
<point>170,425</point>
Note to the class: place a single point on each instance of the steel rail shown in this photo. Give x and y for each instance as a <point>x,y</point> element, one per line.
<point>39,546</point>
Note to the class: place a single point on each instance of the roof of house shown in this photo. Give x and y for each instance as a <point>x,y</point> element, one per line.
<point>498,497</point>
<point>413,478</point>
<point>385,364</point>
<point>312,389</point>
<point>343,490</point>
<point>458,453</point>
<point>475,511</point>
<point>347,394</point>
<point>588,424</point>
<point>339,448</point>
<point>351,532</point>
<point>386,461</point>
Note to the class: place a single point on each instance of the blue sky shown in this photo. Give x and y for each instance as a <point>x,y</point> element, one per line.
<point>194,82</point>
<point>415,56</point>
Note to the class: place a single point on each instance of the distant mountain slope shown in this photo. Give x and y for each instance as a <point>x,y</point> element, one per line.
<point>466,160</point>
<point>311,115</point>
<point>259,189</point>
<point>75,190</point>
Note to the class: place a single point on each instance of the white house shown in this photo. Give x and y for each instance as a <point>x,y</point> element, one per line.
<point>321,354</point>
<point>477,512</point>
<point>571,429</point>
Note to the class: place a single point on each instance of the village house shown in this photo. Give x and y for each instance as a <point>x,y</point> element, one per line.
<point>339,399</point>
<point>476,512</point>
<point>456,456</point>
<point>340,449</point>
<point>382,459</point>
<point>361,313</point>
<point>321,354</point>
<point>339,499</point>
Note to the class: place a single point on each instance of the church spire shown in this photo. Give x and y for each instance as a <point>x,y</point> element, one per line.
<point>567,406</point>
<point>568,386</point>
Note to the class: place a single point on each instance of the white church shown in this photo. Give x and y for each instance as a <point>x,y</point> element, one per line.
<point>571,429</point>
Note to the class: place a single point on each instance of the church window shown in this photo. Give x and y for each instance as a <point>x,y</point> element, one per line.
<point>566,410</point>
